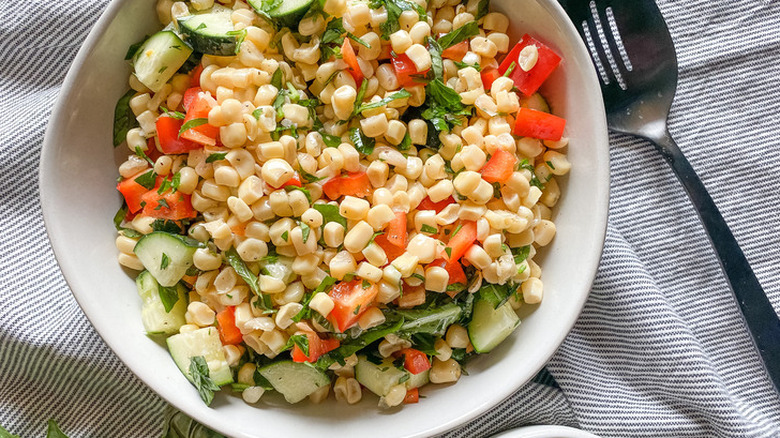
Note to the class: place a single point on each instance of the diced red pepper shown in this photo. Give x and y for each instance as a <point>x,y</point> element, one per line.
<point>204,134</point>
<point>168,134</point>
<point>392,251</point>
<point>189,97</point>
<point>530,81</point>
<point>396,230</point>
<point>456,52</point>
<point>350,301</point>
<point>499,167</point>
<point>172,206</point>
<point>427,204</point>
<point>453,268</point>
<point>461,241</point>
<point>348,55</point>
<point>294,181</point>
<point>415,361</point>
<point>412,396</point>
<point>353,184</point>
<point>489,75</point>
<point>404,69</point>
<point>317,347</point>
<point>228,332</point>
<point>132,192</point>
<point>195,78</point>
<point>538,124</point>
<point>386,53</point>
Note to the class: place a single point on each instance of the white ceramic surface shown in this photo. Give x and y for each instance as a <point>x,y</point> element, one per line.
<point>545,432</point>
<point>77,147</point>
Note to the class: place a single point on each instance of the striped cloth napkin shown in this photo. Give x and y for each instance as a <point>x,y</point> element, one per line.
<point>660,349</point>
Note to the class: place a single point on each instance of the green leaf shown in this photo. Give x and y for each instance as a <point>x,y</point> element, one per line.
<point>199,372</point>
<point>300,189</point>
<point>306,312</point>
<point>249,277</point>
<point>6,434</point>
<point>460,34</point>
<point>437,64</point>
<point>406,143</point>
<point>305,231</point>
<point>147,180</point>
<point>330,213</point>
<point>141,154</point>
<point>168,296</point>
<point>366,338</point>
<point>219,156</point>
<point>394,9</point>
<point>309,178</point>
<point>178,425</point>
<point>521,253</point>
<point>173,114</point>
<point>482,9</point>
<point>165,261</point>
<point>402,94</point>
<point>53,430</point>
<point>285,236</point>
<point>133,49</point>
<point>276,79</point>
<point>124,118</point>
<point>444,95</point>
<point>331,141</point>
<point>302,341</point>
<point>361,94</point>
<point>456,230</point>
<point>194,123</point>
<point>364,145</point>
<point>428,229</point>
<point>432,321</point>
<point>168,226</point>
<point>460,64</point>
<point>351,36</point>
<point>510,69</point>
<point>448,250</point>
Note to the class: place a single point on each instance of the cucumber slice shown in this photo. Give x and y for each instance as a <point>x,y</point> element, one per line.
<point>535,102</point>
<point>202,342</point>
<point>287,13</point>
<point>490,326</point>
<point>158,59</point>
<point>380,378</point>
<point>295,381</point>
<point>211,32</point>
<point>155,248</point>
<point>153,315</point>
<point>280,268</point>
<point>418,380</point>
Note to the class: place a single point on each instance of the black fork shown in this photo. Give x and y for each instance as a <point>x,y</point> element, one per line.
<point>634,56</point>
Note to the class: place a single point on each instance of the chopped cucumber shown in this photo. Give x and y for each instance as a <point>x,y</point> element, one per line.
<point>288,13</point>
<point>380,378</point>
<point>202,342</point>
<point>535,102</point>
<point>158,59</point>
<point>295,381</point>
<point>281,268</point>
<point>167,256</point>
<point>211,31</point>
<point>490,326</point>
<point>418,380</point>
<point>155,319</point>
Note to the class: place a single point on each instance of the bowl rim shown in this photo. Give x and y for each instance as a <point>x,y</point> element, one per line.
<point>601,186</point>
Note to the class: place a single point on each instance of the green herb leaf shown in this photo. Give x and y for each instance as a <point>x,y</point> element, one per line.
<point>433,321</point>
<point>361,94</point>
<point>300,189</point>
<point>305,231</point>
<point>147,180</point>
<point>249,277</point>
<point>199,373</point>
<point>162,202</point>
<point>366,284</point>
<point>428,229</point>
<point>351,36</point>
<point>194,123</point>
<point>124,118</point>
<point>306,312</point>
<point>460,34</point>
<point>167,226</point>
<point>521,253</point>
<point>437,64</point>
<point>141,154</point>
<point>406,143</point>
<point>456,230</point>
<point>364,145</point>
<point>53,430</point>
<point>6,434</point>
<point>460,64</point>
<point>165,261</point>
<point>418,276</point>
<point>330,213</point>
<point>309,178</point>
<point>331,141</point>
<point>510,69</point>
<point>402,94</point>
<point>448,250</point>
<point>482,9</point>
<point>351,347</point>
<point>302,341</point>
<point>133,49</point>
<point>168,296</point>
<point>394,10</point>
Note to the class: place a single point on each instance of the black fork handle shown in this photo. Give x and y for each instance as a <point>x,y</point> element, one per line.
<point>760,317</point>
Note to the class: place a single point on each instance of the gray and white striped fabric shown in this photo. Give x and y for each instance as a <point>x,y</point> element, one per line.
<point>659,350</point>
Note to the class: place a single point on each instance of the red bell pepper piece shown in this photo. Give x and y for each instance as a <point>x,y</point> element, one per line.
<point>427,204</point>
<point>348,55</point>
<point>453,268</point>
<point>404,69</point>
<point>489,75</point>
<point>538,124</point>
<point>350,301</point>
<point>500,166</point>
<point>415,361</point>
<point>530,81</point>
<point>172,206</point>
<point>353,184</point>
<point>461,241</point>
<point>456,52</point>
<point>294,181</point>
<point>204,134</point>
<point>195,78</point>
<point>317,347</point>
<point>168,134</point>
<point>189,97</point>
<point>392,251</point>
<point>395,231</point>
<point>132,192</point>
<point>228,332</point>
<point>412,396</point>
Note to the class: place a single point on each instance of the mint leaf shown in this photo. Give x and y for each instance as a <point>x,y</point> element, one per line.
<point>458,35</point>
<point>168,296</point>
<point>199,373</point>
<point>124,118</point>
<point>194,123</point>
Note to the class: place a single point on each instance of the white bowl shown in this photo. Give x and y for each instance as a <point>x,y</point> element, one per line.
<point>545,432</point>
<point>77,152</point>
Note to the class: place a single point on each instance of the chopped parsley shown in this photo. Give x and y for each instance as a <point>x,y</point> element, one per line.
<point>218,156</point>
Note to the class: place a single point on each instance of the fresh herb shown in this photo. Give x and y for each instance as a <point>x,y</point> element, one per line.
<point>240,37</point>
<point>520,254</point>
<point>309,178</point>
<point>363,144</point>
<point>374,236</point>
<point>199,373</point>
<point>496,190</point>
<point>394,10</point>
<point>448,250</point>
<point>301,341</point>
<point>124,118</point>
<point>366,284</point>
<point>428,229</point>
<point>456,230</point>
<point>239,387</point>
<point>201,26</point>
<point>406,143</point>
<point>263,7</point>
<point>444,109</point>
<point>357,309</point>
<point>168,296</point>
<point>462,33</point>
<point>461,64</point>
<point>6,434</point>
<point>331,141</point>
<point>496,294</point>
<point>175,182</point>
<point>354,38</point>
<point>133,49</point>
<point>351,347</point>
<point>536,182</point>
<point>219,156</point>
<point>167,226</point>
<point>173,114</point>
<point>277,78</point>
<point>194,123</point>
<point>305,191</point>
<point>330,213</point>
<point>147,180</point>
<point>162,202</point>
<point>361,94</point>
<point>249,277</point>
<point>285,235</point>
<point>53,430</point>
<point>437,64</point>
<point>433,321</point>
<point>418,276</point>
<point>165,261</point>
<point>509,70</point>
<point>119,217</point>
<point>455,286</point>
<point>482,9</point>
<point>306,312</point>
<point>403,94</point>
<point>305,231</point>
<point>279,102</point>
<point>550,165</point>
